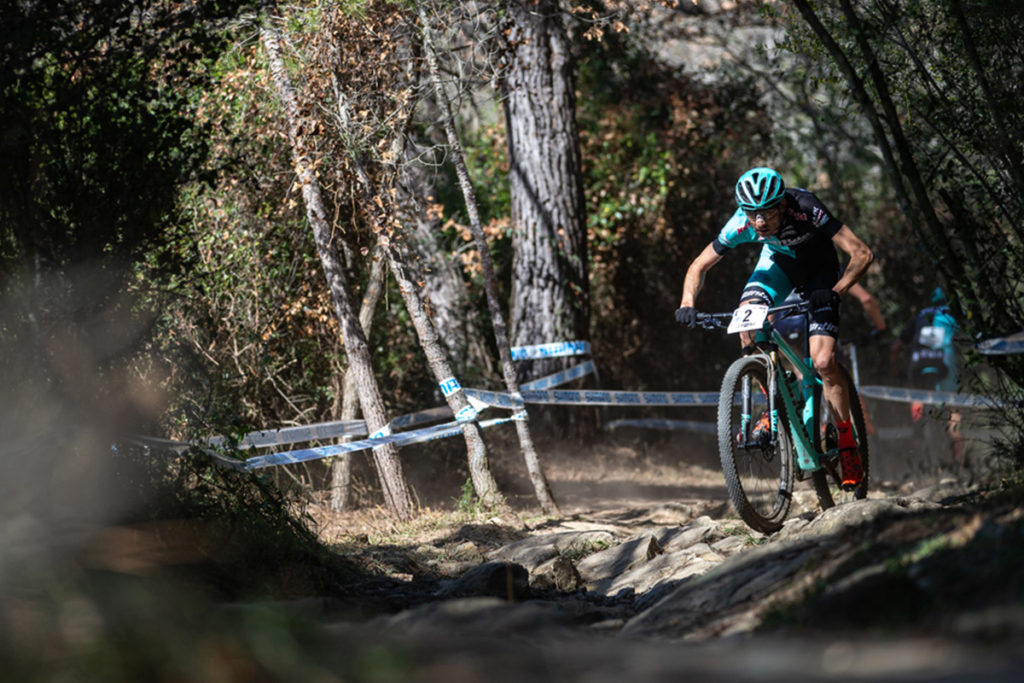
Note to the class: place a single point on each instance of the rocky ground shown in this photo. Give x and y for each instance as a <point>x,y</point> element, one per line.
<point>646,574</point>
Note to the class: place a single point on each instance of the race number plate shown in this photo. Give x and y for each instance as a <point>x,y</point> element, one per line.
<point>746,318</point>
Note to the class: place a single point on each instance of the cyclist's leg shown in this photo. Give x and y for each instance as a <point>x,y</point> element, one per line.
<point>832,379</point>
<point>824,341</point>
<point>766,285</point>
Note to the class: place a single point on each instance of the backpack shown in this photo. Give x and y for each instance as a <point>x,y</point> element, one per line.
<point>927,365</point>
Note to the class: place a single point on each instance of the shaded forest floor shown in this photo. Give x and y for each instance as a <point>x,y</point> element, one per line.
<point>645,574</point>
<point>923,581</point>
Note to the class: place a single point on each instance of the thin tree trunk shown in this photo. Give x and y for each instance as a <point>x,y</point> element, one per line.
<point>341,467</point>
<point>540,484</point>
<point>479,469</point>
<point>388,464</point>
<point>444,286</point>
<point>480,473</point>
<point>375,200</point>
<point>550,289</point>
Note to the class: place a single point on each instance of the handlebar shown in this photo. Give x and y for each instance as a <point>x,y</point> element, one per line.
<point>710,321</point>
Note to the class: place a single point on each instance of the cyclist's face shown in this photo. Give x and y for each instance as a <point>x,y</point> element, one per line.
<point>766,222</point>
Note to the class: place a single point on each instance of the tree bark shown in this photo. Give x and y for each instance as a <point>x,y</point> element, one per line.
<point>479,470</point>
<point>377,201</point>
<point>550,290</point>
<point>540,484</point>
<point>443,283</point>
<point>389,467</point>
<point>341,467</point>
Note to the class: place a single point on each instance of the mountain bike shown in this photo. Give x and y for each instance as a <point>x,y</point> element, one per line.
<point>774,425</point>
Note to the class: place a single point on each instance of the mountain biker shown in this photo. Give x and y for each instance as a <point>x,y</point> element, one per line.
<point>798,237</point>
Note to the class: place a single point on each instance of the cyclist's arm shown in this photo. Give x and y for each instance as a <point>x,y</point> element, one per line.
<point>869,303</point>
<point>860,258</point>
<point>695,274</point>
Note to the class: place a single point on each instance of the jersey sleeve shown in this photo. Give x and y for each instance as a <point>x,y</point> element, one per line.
<point>818,213</point>
<point>737,231</point>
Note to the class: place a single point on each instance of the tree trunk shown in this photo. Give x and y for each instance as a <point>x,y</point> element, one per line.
<point>540,484</point>
<point>388,464</point>
<point>341,467</point>
<point>550,290</point>
<point>376,199</point>
<point>443,284</point>
<point>479,470</point>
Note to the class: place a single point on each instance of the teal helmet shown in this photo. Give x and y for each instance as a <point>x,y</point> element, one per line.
<point>759,188</point>
<point>939,297</point>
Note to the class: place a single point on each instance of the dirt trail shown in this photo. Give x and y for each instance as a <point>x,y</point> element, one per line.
<point>930,618</point>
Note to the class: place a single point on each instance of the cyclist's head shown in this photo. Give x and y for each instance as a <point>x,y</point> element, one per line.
<point>759,188</point>
<point>939,297</point>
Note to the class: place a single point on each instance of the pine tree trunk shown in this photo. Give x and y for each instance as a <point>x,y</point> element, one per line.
<point>550,290</point>
<point>540,483</point>
<point>386,460</point>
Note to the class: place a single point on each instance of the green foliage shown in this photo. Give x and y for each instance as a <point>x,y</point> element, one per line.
<point>97,134</point>
<point>660,154</point>
<point>467,503</point>
<point>940,81</point>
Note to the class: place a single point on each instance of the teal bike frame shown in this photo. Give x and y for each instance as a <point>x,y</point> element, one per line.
<point>801,396</point>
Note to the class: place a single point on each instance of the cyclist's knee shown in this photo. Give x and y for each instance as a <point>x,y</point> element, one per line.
<point>826,365</point>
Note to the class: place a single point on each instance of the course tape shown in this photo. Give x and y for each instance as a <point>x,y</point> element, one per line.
<point>286,435</point>
<point>668,425</point>
<point>552,350</point>
<point>404,439</point>
<point>595,397</point>
<point>559,378</point>
<point>1005,346</point>
<point>948,398</point>
<point>538,391</point>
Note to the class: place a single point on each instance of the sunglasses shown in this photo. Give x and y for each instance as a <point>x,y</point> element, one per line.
<point>765,214</point>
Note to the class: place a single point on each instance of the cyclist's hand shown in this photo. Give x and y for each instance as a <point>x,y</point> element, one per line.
<point>823,298</point>
<point>687,315</point>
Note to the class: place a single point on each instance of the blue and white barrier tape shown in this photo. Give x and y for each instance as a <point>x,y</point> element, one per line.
<point>537,392</point>
<point>560,378</point>
<point>596,397</point>
<point>553,350</point>
<point>1005,346</point>
<point>403,439</point>
<point>667,425</point>
<point>286,435</point>
<point>948,398</point>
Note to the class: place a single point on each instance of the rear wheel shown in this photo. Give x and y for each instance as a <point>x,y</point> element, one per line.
<point>758,473</point>
<point>828,479</point>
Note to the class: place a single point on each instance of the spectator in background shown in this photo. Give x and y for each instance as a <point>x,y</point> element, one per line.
<point>932,363</point>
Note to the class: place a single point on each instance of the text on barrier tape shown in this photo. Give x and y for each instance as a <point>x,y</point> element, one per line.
<point>553,350</point>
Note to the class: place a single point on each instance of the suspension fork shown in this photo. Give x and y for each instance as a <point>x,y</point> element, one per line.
<point>746,398</point>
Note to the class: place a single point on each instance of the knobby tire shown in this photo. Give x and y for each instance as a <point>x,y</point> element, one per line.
<point>759,480</point>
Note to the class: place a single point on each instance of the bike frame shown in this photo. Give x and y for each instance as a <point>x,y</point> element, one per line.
<point>805,393</point>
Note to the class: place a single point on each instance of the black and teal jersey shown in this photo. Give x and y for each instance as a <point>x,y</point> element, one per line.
<point>805,233</point>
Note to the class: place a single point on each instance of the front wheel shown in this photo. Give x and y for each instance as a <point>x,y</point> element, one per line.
<point>827,480</point>
<point>758,471</point>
